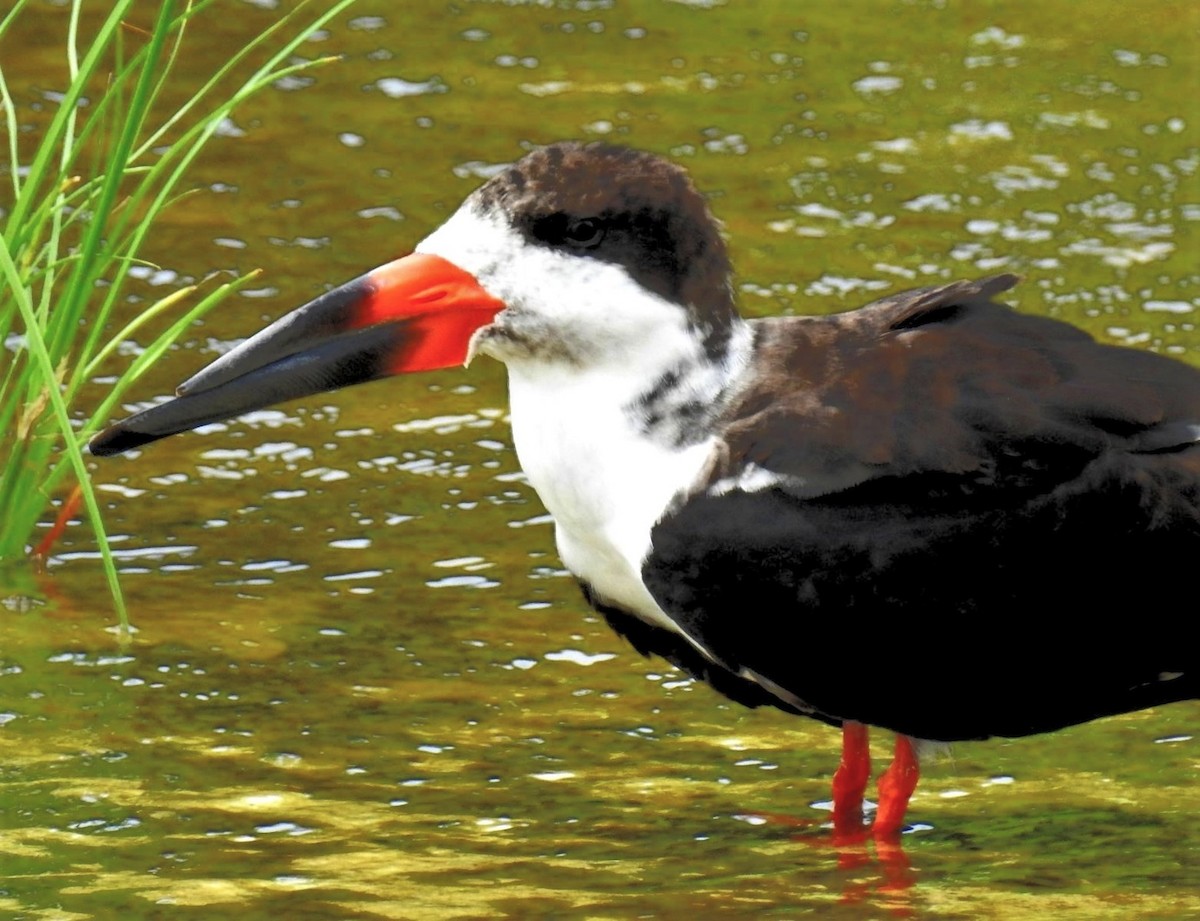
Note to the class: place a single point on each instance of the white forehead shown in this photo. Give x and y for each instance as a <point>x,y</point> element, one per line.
<point>474,240</point>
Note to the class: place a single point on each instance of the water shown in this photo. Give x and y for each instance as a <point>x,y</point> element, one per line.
<point>363,687</point>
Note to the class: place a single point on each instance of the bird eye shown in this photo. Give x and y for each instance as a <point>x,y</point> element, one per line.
<point>584,233</point>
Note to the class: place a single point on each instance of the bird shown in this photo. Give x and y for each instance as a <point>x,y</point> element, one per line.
<point>933,515</point>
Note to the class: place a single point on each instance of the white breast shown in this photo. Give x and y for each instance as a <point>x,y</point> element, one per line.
<point>604,483</point>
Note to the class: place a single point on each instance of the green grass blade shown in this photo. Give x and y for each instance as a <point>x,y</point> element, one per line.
<point>82,207</point>
<point>41,359</point>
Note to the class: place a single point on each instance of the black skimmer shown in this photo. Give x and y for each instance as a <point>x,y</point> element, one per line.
<point>933,514</point>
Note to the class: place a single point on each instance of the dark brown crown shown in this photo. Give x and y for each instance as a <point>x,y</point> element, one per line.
<point>626,207</point>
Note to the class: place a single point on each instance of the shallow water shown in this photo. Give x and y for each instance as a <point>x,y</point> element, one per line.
<point>363,687</point>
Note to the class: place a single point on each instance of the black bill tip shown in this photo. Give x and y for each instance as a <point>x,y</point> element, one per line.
<point>352,358</point>
<point>117,439</point>
<point>169,418</point>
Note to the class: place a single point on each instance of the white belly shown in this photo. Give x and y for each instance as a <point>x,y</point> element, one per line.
<point>604,483</point>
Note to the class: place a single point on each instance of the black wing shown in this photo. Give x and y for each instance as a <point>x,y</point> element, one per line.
<point>943,517</point>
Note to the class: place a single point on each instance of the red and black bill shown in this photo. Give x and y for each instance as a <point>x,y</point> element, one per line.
<point>414,314</point>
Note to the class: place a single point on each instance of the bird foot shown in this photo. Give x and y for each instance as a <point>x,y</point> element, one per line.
<point>896,786</point>
<point>852,833</point>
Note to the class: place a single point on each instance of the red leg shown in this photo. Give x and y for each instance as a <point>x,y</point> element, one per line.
<point>851,777</point>
<point>896,786</point>
<point>69,507</point>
